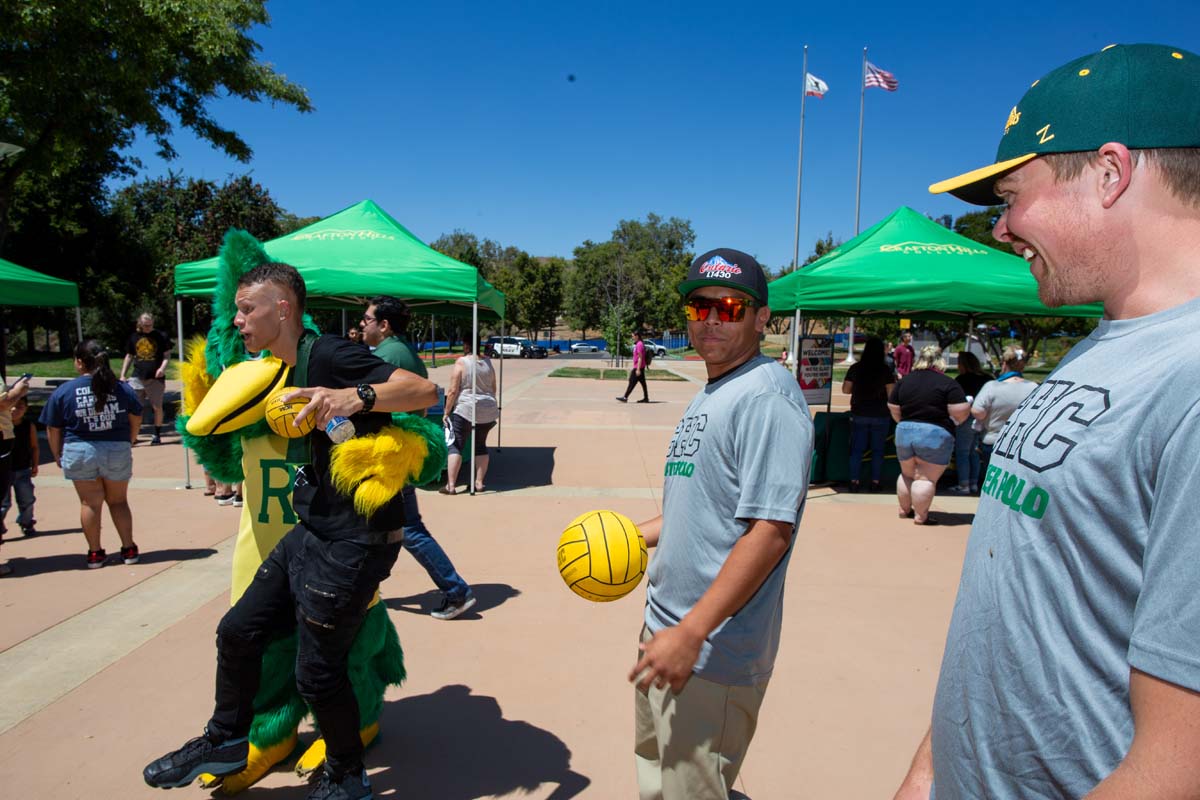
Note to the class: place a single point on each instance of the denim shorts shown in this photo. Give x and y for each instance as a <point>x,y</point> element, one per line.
<point>924,440</point>
<point>87,461</point>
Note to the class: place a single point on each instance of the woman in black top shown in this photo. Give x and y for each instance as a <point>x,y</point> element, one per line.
<point>971,378</point>
<point>868,382</point>
<point>927,405</point>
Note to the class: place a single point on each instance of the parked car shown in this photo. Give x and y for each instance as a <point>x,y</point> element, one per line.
<point>509,346</point>
<point>659,350</point>
<point>584,347</point>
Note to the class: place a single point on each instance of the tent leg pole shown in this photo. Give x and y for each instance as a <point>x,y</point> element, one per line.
<point>187,461</point>
<point>500,391</point>
<point>433,341</point>
<point>344,326</point>
<point>796,344</point>
<point>474,385</point>
<point>78,324</point>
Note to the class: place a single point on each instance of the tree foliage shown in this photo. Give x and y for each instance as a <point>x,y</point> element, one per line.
<point>82,79</point>
<point>631,278</point>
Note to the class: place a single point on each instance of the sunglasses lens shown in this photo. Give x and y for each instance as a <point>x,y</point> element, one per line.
<point>729,309</point>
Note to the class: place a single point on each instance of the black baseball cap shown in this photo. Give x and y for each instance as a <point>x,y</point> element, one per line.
<point>726,267</point>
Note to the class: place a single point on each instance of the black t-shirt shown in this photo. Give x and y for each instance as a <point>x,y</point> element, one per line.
<point>868,394</point>
<point>338,363</point>
<point>923,395</point>
<point>147,350</point>
<point>22,451</point>
<point>971,383</point>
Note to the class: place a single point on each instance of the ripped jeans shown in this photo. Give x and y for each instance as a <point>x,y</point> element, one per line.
<point>320,589</point>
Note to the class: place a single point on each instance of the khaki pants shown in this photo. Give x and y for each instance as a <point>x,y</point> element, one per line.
<point>690,746</point>
<point>149,392</point>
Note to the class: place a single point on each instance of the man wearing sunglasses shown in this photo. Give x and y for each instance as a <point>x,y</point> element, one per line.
<point>736,479</point>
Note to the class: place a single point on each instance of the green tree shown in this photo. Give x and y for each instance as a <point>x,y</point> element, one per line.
<point>533,291</point>
<point>81,80</point>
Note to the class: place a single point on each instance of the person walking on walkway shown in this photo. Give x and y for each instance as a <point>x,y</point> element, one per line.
<point>737,476</point>
<point>385,328</point>
<point>1072,663</point>
<point>91,423</point>
<point>926,406</point>
<point>471,413</point>
<point>638,372</point>
<point>148,351</point>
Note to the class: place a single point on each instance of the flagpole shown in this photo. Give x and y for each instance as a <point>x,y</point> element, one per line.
<point>800,158</point>
<point>862,97</point>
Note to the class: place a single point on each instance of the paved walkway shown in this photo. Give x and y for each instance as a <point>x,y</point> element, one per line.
<point>525,696</point>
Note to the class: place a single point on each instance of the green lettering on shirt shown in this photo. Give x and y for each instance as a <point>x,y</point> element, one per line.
<point>681,468</point>
<point>281,492</point>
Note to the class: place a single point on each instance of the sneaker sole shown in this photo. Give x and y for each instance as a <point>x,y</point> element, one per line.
<point>217,769</point>
<point>95,565</point>
<point>454,612</point>
<point>133,560</point>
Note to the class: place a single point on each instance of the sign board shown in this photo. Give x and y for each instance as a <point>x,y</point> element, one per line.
<point>816,370</point>
<point>905,324</point>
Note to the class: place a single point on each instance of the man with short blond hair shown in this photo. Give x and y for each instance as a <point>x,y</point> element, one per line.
<point>1072,664</point>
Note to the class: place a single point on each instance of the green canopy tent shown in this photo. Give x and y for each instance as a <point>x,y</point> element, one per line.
<point>358,253</point>
<point>907,265</point>
<point>25,287</point>
<point>361,252</point>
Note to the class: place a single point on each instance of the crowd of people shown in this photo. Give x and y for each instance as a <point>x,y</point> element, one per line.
<point>1070,667</point>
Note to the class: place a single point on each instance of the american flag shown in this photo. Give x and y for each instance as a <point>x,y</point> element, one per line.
<point>881,78</point>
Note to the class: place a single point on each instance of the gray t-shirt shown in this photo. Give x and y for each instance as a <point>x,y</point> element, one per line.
<point>741,452</point>
<point>1080,565</point>
<point>1000,400</point>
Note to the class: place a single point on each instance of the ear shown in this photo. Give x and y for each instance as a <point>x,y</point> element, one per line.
<point>761,318</point>
<point>285,309</point>
<point>1114,170</point>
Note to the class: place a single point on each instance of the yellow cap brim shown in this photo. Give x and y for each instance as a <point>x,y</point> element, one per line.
<point>976,186</point>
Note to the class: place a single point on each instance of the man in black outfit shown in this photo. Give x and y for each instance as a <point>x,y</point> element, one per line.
<point>321,577</point>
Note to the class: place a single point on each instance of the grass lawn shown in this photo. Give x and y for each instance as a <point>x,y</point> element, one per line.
<point>55,366</point>
<point>611,374</point>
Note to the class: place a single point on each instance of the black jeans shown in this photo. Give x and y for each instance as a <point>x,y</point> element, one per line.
<point>635,378</point>
<point>320,589</point>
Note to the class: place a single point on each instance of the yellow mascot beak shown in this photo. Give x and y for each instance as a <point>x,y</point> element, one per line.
<point>239,397</point>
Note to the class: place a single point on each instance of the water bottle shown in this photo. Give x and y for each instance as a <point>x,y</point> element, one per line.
<point>339,429</point>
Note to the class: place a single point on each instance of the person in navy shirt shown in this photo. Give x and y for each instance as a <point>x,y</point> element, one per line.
<point>91,424</point>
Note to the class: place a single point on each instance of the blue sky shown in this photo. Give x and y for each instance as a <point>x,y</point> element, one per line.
<point>461,115</point>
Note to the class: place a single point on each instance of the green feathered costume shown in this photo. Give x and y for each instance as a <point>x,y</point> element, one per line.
<point>371,469</point>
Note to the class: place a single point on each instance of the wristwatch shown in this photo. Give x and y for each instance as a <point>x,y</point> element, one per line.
<point>367,395</point>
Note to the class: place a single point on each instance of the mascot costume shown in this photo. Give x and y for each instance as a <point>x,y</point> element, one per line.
<point>223,420</point>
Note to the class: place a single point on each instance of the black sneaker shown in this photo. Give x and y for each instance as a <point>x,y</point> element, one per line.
<point>450,610</point>
<point>351,786</point>
<point>622,399</point>
<point>198,756</point>
<point>29,530</point>
<point>156,440</point>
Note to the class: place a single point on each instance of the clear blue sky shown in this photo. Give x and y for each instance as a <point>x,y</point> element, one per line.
<point>461,115</point>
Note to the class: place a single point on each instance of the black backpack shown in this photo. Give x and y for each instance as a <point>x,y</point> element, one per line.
<point>647,355</point>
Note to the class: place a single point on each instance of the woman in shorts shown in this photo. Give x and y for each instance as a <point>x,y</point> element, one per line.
<point>927,405</point>
<point>471,411</point>
<point>91,424</point>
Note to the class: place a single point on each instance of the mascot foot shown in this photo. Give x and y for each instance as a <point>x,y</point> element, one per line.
<point>258,764</point>
<point>314,756</point>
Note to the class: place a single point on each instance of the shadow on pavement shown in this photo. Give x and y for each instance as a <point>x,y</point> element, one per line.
<point>12,538</point>
<point>26,567</point>
<point>487,597</point>
<point>517,467</point>
<point>951,519</point>
<point>453,745</point>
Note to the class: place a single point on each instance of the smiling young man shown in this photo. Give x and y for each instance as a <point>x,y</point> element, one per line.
<point>1072,664</point>
<point>321,577</point>
<point>736,479</point>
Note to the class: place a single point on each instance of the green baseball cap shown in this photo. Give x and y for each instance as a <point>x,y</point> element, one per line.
<point>1141,95</point>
